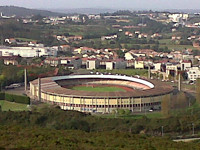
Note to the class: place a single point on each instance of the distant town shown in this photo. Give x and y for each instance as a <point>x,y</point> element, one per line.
<point>166,42</point>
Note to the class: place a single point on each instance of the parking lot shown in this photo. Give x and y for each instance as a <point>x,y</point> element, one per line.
<point>17,91</point>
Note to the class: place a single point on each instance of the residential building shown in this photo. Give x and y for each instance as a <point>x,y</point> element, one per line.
<point>128,56</point>
<point>157,66</point>
<point>193,73</point>
<point>139,64</point>
<point>185,64</point>
<point>92,64</point>
<point>71,62</point>
<point>28,51</point>
<point>10,61</point>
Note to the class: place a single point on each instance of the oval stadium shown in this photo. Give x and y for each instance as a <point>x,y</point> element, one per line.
<point>100,93</point>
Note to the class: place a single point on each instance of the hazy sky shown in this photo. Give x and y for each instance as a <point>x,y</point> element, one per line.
<point>137,4</point>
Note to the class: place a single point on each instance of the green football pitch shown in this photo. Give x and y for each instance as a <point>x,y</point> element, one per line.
<point>98,88</point>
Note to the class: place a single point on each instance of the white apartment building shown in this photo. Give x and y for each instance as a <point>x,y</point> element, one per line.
<point>92,64</point>
<point>193,73</point>
<point>28,51</point>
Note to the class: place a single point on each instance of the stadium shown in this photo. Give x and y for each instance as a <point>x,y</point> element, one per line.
<point>100,93</point>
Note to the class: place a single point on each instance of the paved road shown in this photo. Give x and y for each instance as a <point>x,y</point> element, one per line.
<point>186,140</point>
<point>17,91</point>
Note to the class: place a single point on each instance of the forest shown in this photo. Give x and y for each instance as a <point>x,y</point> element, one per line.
<point>48,127</point>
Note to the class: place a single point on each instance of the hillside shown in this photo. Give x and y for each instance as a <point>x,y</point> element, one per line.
<point>84,10</point>
<point>22,12</point>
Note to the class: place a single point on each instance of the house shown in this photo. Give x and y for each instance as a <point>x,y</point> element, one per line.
<point>71,62</point>
<point>74,38</point>
<point>65,47</point>
<point>196,44</point>
<point>94,17</point>
<point>142,35</point>
<point>83,50</point>
<point>143,53</point>
<point>109,37</point>
<point>52,61</point>
<point>139,64</point>
<point>11,41</point>
<point>197,57</point>
<point>193,73</point>
<point>156,35</point>
<point>10,61</point>
<point>61,37</point>
<point>176,37</point>
<point>187,57</point>
<point>109,65</point>
<point>157,66</point>
<point>185,64</point>
<point>92,64</point>
<point>128,56</point>
<point>172,69</point>
<point>120,64</point>
<point>127,33</point>
<point>130,63</point>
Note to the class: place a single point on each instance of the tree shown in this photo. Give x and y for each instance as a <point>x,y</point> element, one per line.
<point>121,111</point>
<point>198,91</point>
<point>127,112</point>
<point>120,53</point>
<point>166,105</point>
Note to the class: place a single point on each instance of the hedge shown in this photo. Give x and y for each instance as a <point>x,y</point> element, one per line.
<point>15,98</point>
<point>2,96</point>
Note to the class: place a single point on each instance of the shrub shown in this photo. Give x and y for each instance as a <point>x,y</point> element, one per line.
<point>15,98</point>
<point>2,96</point>
<point>121,112</point>
<point>9,97</point>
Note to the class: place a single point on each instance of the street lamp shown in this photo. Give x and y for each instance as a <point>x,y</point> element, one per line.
<point>162,131</point>
<point>193,129</point>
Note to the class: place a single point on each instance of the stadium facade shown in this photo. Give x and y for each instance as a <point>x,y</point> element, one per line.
<point>141,95</point>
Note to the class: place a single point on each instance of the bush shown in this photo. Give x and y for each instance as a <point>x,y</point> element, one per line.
<point>121,111</point>
<point>2,96</point>
<point>9,97</point>
<point>127,112</point>
<point>15,98</point>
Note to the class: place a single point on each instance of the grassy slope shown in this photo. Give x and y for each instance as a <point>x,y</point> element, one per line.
<point>5,106</point>
<point>40,138</point>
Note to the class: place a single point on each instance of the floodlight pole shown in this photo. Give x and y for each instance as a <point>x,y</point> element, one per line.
<point>39,89</point>
<point>25,79</point>
<point>162,131</point>
<point>193,129</point>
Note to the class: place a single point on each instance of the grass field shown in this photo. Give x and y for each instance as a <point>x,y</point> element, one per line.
<point>98,89</point>
<point>6,106</point>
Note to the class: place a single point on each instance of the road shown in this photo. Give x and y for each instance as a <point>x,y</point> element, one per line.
<point>17,91</point>
<point>186,140</point>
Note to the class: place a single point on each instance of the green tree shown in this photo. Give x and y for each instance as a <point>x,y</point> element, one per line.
<point>198,91</point>
<point>121,111</point>
<point>166,105</point>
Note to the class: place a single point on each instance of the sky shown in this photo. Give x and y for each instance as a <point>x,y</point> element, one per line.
<point>113,4</point>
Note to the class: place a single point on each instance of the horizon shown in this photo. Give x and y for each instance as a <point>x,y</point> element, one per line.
<point>114,9</point>
<point>103,4</point>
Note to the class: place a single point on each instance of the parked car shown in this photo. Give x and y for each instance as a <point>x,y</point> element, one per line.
<point>9,87</point>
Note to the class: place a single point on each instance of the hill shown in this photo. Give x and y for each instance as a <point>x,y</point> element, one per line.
<point>84,10</point>
<point>22,12</point>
